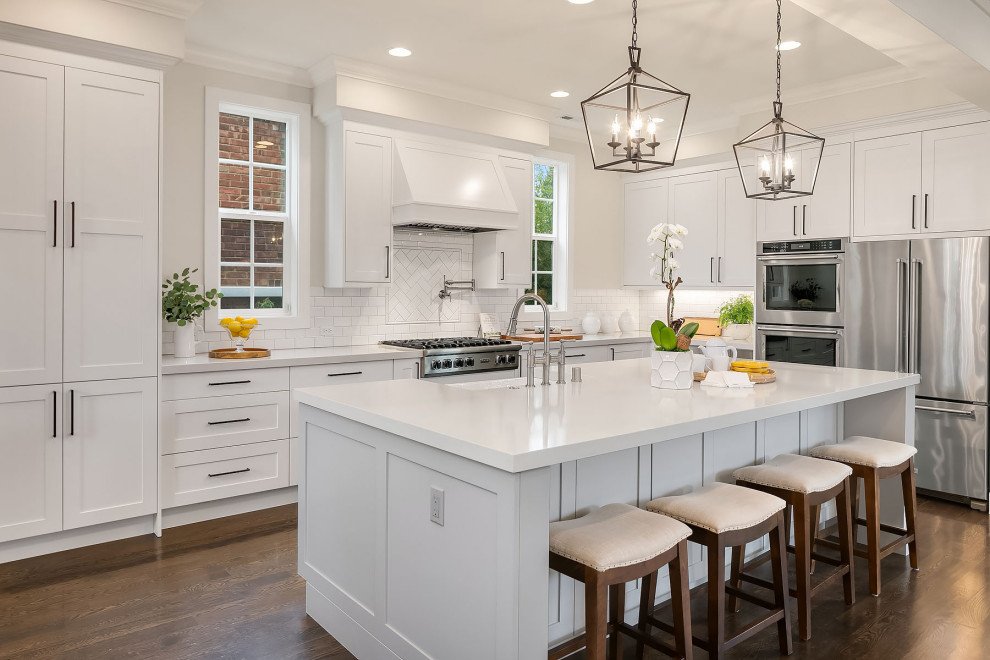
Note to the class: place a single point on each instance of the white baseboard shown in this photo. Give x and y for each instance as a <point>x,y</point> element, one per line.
<point>231,506</point>
<point>76,538</point>
<point>352,635</point>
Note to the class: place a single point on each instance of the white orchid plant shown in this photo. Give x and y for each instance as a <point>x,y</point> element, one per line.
<point>667,236</point>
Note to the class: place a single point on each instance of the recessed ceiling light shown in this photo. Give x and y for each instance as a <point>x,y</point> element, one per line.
<point>560,94</point>
<point>580,2</point>
<point>399,52</point>
<point>789,45</point>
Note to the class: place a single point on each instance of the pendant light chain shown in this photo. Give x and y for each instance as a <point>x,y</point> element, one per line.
<point>778,52</point>
<point>635,35</point>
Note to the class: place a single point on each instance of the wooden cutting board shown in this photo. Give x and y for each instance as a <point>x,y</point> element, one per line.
<point>539,337</point>
<point>708,327</point>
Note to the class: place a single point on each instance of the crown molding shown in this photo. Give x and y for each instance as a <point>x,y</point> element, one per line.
<point>181,9</point>
<point>226,61</point>
<point>87,47</point>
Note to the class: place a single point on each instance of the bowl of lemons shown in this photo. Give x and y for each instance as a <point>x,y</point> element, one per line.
<point>239,329</point>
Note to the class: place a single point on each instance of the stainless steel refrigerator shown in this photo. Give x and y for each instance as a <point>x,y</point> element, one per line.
<point>922,306</point>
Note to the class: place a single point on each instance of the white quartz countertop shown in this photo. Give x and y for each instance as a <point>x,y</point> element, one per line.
<point>288,357</point>
<point>514,428</point>
<point>635,337</point>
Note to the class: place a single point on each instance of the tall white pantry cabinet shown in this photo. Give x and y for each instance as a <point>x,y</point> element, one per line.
<point>79,287</point>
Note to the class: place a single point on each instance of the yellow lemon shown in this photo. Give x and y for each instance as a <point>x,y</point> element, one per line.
<point>253,321</point>
<point>225,322</point>
<point>234,327</point>
<point>245,333</point>
<point>238,318</point>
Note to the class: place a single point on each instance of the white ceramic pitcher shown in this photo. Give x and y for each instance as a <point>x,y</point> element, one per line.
<point>719,354</point>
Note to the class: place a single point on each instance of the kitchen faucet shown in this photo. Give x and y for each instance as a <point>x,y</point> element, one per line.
<point>546,359</point>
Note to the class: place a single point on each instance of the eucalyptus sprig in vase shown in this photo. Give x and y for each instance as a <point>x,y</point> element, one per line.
<point>668,237</point>
<point>672,361</point>
<point>182,304</point>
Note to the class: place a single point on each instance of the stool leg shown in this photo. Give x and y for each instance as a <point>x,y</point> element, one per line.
<point>595,615</point>
<point>843,504</point>
<point>738,555</point>
<point>802,565</point>
<point>854,501</point>
<point>716,599</point>
<point>778,554</point>
<point>647,600</point>
<point>871,484</point>
<point>617,604</point>
<point>816,521</point>
<point>680,599</point>
<point>910,510</point>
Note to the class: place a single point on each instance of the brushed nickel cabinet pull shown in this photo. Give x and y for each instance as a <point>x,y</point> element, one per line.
<point>794,219</point>
<point>502,277</point>
<point>224,474</point>
<point>72,412</point>
<point>55,223</point>
<point>804,219</point>
<point>230,421</point>
<point>72,205</point>
<point>914,202</point>
<point>926,210</point>
<point>54,413</point>
<point>388,262</point>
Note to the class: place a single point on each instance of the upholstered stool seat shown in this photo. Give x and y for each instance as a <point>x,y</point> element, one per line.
<point>607,548</point>
<point>725,516</point>
<point>872,460</point>
<point>869,452</point>
<point>805,483</point>
<point>615,535</point>
<point>719,507</point>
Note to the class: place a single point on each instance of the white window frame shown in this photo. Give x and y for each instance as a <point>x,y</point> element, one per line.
<point>563,165</point>
<point>295,311</point>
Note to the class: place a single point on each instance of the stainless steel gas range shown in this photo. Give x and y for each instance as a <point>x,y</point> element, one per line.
<point>461,359</point>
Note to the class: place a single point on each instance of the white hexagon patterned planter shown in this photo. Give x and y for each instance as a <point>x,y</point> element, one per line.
<point>670,370</point>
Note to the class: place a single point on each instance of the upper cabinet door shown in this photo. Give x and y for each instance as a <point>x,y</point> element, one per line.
<point>955,174</point>
<point>367,207</point>
<point>111,227</point>
<point>887,183</point>
<point>514,253</point>
<point>30,240</point>
<point>31,469</point>
<point>692,204</point>
<point>645,205</point>
<point>828,213</point>
<point>736,262</point>
<point>110,451</point>
<point>778,221</point>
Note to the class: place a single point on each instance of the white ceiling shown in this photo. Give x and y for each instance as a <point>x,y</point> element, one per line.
<point>721,51</point>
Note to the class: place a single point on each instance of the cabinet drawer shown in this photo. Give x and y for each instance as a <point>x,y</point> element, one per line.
<point>629,351</point>
<point>213,474</point>
<point>224,421</point>
<point>223,383</point>
<point>339,374</point>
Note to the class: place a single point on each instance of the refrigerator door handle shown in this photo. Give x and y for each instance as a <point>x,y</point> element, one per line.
<point>948,411</point>
<point>916,328</point>
<point>899,317</point>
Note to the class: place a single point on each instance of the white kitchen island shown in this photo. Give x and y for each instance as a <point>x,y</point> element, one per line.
<point>388,581</point>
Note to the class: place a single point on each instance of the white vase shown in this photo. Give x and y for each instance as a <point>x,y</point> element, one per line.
<point>739,331</point>
<point>609,324</point>
<point>672,370</point>
<point>626,322</point>
<point>591,324</point>
<point>185,340</point>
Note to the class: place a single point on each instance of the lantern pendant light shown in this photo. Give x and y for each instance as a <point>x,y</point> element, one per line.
<point>634,123</point>
<point>779,160</point>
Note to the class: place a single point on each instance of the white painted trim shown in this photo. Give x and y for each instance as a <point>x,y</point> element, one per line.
<point>36,546</point>
<point>181,9</point>
<point>299,115</point>
<point>214,58</point>
<point>40,53</point>
<point>231,506</point>
<point>68,43</point>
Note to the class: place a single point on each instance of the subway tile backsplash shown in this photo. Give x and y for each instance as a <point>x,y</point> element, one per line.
<point>409,308</point>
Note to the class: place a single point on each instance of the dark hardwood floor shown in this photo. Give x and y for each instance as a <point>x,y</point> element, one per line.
<point>229,589</point>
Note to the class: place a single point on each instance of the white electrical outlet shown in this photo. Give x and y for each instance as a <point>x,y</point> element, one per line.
<point>436,505</point>
<point>326,332</point>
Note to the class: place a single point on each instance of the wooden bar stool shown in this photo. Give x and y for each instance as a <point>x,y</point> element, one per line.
<point>806,484</point>
<point>722,516</point>
<point>873,459</point>
<point>606,549</point>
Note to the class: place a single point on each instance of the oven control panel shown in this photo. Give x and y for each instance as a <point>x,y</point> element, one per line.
<point>823,245</point>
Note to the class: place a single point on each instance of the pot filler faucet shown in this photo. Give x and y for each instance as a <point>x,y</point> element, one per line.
<point>546,359</point>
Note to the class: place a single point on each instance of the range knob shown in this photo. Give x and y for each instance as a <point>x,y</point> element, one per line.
<point>458,362</point>
<point>512,359</point>
<point>447,364</point>
<point>469,362</point>
<point>436,364</point>
<point>500,359</point>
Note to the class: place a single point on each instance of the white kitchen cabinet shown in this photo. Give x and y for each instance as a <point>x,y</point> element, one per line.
<point>692,203</point>
<point>405,369</point>
<point>887,186</point>
<point>110,227</point>
<point>365,254</point>
<point>630,351</point>
<point>30,235</point>
<point>31,467</point>
<point>110,451</point>
<point>736,259</point>
<point>645,205</point>
<point>825,214</point>
<point>504,258</point>
<point>955,170</point>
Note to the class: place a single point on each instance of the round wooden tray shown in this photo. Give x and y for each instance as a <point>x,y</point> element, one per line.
<point>233,354</point>
<point>758,379</point>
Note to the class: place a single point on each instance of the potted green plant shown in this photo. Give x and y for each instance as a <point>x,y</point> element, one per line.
<point>736,317</point>
<point>671,363</point>
<point>182,304</point>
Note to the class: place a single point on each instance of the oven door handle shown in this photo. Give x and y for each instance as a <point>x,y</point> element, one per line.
<point>800,257</point>
<point>786,328</point>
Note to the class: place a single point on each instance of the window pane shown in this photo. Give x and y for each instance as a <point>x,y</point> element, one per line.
<point>233,136</point>
<point>235,240</point>
<point>235,284</point>
<point>544,217</point>
<point>543,181</point>
<point>269,190</point>
<point>233,186</point>
<point>269,142</point>
<point>544,287</point>
<point>235,302</point>
<point>268,287</point>
<point>544,255</point>
<point>268,237</point>
<point>235,276</point>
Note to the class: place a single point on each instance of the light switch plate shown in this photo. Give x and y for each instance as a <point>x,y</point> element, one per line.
<point>436,505</point>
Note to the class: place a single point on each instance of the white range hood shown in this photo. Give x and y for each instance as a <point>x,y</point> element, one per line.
<point>450,188</point>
